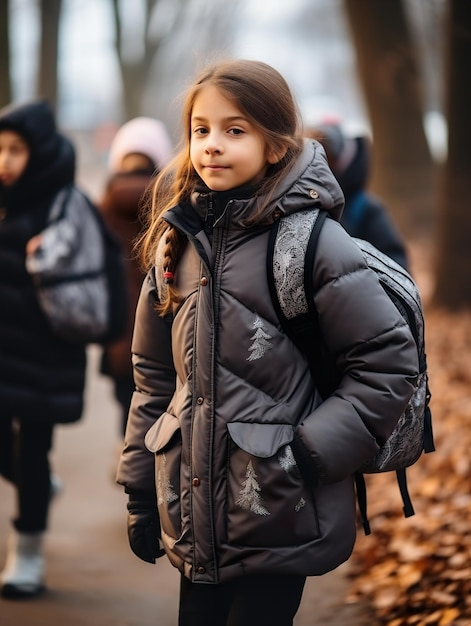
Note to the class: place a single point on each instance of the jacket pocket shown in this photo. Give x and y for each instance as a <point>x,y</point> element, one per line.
<point>164,440</point>
<point>268,502</point>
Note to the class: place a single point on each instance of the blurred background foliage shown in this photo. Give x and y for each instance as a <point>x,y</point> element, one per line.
<point>395,69</point>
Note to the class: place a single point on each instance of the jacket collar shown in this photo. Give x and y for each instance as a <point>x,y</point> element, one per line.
<point>309,184</point>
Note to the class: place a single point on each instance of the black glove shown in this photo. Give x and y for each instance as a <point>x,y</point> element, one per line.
<point>144,526</point>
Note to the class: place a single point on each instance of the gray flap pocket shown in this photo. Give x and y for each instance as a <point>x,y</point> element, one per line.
<point>162,432</point>
<point>262,440</point>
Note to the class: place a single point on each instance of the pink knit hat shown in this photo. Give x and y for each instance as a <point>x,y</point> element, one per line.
<point>144,135</point>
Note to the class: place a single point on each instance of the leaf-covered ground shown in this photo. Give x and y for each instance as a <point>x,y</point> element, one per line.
<point>417,571</point>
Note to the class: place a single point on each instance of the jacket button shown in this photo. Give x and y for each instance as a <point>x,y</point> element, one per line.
<point>199,400</point>
<point>195,482</point>
<point>204,281</point>
<point>200,570</point>
<point>314,194</point>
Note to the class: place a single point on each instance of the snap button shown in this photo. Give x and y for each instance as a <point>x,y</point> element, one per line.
<point>199,400</point>
<point>200,569</point>
<point>204,281</point>
<point>314,194</point>
<point>195,482</point>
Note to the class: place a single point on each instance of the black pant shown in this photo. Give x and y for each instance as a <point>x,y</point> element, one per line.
<point>261,600</point>
<point>24,461</point>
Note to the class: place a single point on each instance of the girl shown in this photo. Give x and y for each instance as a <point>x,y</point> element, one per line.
<point>139,150</point>
<point>252,489</point>
<point>41,376</point>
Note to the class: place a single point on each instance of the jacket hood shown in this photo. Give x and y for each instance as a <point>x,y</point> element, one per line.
<point>310,183</point>
<point>52,160</point>
<point>354,176</point>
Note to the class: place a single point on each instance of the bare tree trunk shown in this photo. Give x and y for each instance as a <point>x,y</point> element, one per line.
<point>135,74</point>
<point>5,79</point>
<point>453,252</point>
<point>403,169</point>
<point>47,81</point>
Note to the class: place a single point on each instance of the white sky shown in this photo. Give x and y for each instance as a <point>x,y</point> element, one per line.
<point>89,79</point>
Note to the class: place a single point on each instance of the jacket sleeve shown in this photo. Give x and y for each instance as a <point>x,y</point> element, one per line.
<point>375,352</point>
<point>154,376</point>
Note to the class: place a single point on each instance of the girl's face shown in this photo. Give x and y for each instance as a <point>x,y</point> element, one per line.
<point>226,149</point>
<point>14,156</point>
<point>135,162</point>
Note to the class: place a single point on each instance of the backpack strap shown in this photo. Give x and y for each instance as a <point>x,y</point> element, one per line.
<point>309,263</point>
<point>407,502</point>
<point>360,487</point>
<point>362,500</point>
<point>303,327</point>
<point>59,204</point>
<point>429,444</point>
<point>295,324</point>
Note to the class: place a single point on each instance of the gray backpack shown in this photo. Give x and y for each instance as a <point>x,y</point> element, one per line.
<point>291,255</point>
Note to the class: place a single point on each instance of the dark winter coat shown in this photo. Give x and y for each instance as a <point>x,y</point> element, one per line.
<point>221,389</point>
<point>120,207</point>
<point>364,216</point>
<point>41,376</point>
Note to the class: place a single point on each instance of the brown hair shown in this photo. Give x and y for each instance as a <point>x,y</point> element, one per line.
<point>264,97</point>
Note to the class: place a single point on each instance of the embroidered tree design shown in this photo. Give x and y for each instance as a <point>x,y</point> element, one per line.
<point>299,506</point>
<point>260,340</point>
<point>250,498</point>
<point>286,459</point>
<point>165,490</point>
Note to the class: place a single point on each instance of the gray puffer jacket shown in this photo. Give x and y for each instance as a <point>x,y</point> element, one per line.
<point>221,388</point>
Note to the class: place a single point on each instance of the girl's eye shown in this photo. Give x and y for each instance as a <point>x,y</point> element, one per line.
<point>200,131</point>
<point>236,131</point>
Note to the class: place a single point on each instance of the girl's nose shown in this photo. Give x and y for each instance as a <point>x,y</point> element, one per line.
<point>213,145</point>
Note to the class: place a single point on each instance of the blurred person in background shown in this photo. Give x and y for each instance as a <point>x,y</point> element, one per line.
<point>139,150</point>
<point>364,215</point>
<point>42,376</point>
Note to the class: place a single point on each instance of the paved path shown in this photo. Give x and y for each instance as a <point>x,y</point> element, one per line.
<point>92,576</point>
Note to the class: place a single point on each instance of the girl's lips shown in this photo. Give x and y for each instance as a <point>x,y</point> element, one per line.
<point>215,168</point>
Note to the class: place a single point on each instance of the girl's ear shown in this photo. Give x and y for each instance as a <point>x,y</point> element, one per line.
<point>274,156</point>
